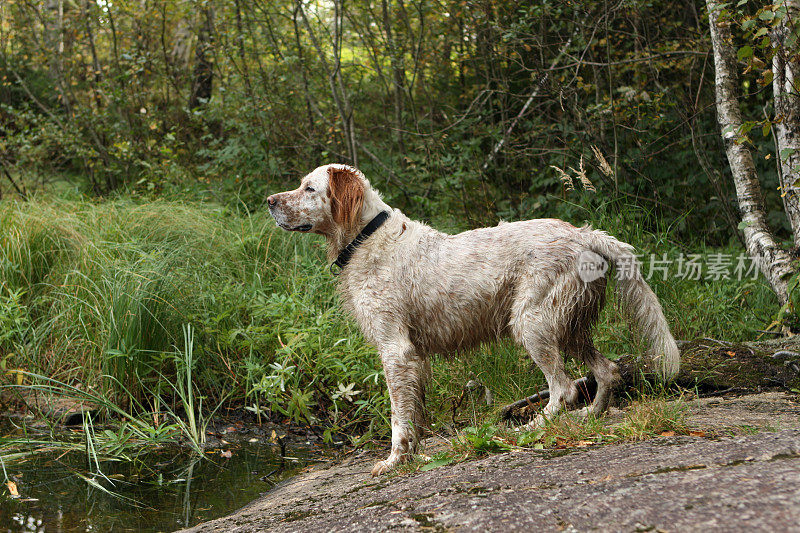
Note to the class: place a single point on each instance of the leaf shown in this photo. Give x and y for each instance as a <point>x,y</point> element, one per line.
<point>744,52</point>
<point>698,434</point>
<point>12,489</point>
<point>667,433</point>
<point>744,224</point>
<point>766,15</point>
<point>766,78</point>
<point>760,32</point>
<point>227,454</point>
<point>529,437</point>
<point>436,463</point>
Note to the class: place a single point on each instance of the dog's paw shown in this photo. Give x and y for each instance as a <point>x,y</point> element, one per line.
<point>381,467</point>
<point>537,423</point>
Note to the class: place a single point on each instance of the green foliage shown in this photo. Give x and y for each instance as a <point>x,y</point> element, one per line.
<point>481,440</point>
<point>428,105</point>
<point>13,320</point>
<point>107,289</point>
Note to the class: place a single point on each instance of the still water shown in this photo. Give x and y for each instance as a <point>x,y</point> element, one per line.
<point>163,490</point>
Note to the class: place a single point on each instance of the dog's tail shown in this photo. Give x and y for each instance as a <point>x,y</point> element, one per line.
<point>640,302</point>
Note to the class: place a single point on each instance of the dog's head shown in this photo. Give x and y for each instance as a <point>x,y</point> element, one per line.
<point>329,201</point>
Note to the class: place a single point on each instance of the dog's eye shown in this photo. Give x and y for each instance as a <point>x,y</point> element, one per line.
<point>310,188</point>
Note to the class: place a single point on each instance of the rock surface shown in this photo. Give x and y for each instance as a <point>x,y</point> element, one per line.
<point>744,478</point>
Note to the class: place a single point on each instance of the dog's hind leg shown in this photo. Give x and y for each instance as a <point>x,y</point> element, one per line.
<point>406,375</point>
<point>535,317</point>
<point>605,372</point>
<point>548,358</point>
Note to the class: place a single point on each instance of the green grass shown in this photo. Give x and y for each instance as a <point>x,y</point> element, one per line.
<point>648,416</point>
<point>97,296</point>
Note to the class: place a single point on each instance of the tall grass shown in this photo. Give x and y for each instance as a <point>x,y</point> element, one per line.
<point>96,294</point>
<point>99,294</point>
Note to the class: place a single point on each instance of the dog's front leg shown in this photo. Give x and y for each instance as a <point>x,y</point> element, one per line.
<point>406,373</point>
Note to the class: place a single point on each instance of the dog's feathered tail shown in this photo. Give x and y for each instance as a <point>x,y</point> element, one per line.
<point>639,301</point>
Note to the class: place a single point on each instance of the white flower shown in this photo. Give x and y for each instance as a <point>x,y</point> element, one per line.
<point>345,392</point>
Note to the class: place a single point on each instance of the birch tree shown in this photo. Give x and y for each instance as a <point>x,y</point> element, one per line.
<point>775,262</point>
<point>786,87</point>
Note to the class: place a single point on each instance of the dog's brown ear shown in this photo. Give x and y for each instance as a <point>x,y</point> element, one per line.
<point>347,196</point>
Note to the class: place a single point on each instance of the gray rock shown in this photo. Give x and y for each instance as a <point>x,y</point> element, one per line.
<point>747,482</point>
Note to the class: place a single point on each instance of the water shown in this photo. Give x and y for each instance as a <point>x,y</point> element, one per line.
<point>163,490</point>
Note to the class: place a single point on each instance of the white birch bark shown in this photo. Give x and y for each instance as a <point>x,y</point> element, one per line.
<point>786,88</point>
<point>774,261</point>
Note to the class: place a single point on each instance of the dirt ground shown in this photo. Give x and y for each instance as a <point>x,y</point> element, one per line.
<point>743,476</point>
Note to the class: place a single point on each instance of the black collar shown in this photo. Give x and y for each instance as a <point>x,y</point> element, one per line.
<point>346,253</point>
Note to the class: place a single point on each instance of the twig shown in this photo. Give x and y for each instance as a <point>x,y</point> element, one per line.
<point>533,95</point>
<point>587,386</point>
<point>20,190</point>
<point>395,178</point>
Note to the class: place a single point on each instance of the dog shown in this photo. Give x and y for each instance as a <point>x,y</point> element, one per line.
<point>415,291</point>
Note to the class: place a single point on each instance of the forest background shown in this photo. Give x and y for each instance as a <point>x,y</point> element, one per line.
<point>139,140</point>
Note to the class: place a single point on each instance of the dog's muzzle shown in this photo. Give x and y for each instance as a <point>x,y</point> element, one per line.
<point>302,228</point>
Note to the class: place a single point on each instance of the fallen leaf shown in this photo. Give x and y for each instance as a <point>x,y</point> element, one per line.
<point>12,489</point>
<point>227,454</point>
<point>584,443</point>
<point>698,434</point>
<point>730,353</point>
<point>667,433</point>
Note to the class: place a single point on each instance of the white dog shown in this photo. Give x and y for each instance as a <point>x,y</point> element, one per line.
<point>416,291</point>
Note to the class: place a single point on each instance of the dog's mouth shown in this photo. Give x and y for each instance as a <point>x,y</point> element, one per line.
<point>301,228</point>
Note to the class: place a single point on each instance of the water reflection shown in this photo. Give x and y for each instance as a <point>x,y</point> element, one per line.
<point>163,490</point>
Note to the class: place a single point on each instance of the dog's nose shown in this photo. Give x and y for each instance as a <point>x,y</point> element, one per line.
<point>272,200</point>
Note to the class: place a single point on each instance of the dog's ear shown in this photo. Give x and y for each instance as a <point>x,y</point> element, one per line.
<point>347,196</point>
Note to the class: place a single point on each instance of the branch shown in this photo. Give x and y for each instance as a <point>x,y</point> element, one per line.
<point>534,94</point>
<point>20,190</point>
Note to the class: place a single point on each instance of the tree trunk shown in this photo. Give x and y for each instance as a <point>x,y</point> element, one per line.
<point>398,76</point>
<point>335,79</point>
<point>775,262</point>
<point>786,87</point>
<point>302,66</point>
<point>203,79</point>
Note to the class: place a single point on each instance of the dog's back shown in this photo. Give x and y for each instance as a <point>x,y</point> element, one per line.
<point>453,292</point>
